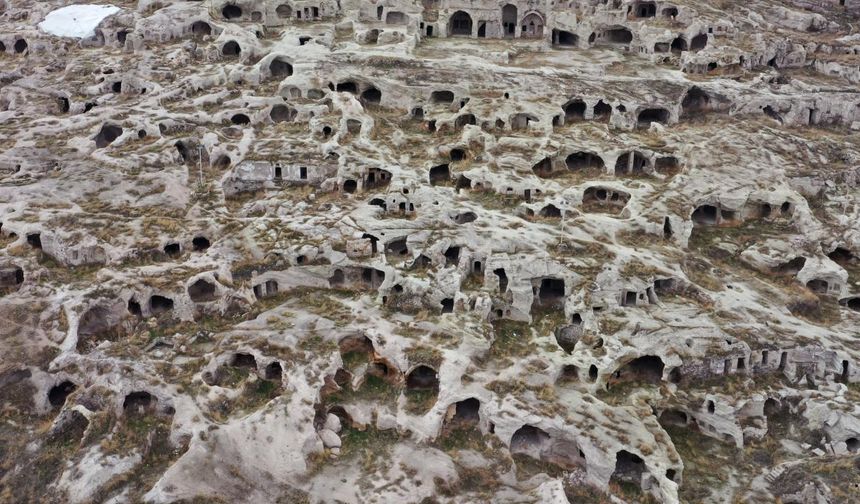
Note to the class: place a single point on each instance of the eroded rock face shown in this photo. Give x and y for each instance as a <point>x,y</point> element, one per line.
<point>447,251</point>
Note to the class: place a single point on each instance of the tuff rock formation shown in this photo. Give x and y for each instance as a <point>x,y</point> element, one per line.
<point>444,251</point>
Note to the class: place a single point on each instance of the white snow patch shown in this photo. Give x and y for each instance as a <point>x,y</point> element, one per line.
<point>78,21</point>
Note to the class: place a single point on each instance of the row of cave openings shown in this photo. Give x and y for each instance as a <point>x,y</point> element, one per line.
<point>100,324</point>
<point>365,278</point>
<point>198,244</point>
<point>462,415</point>
<point>679,44</point>
<point>548,293</point>
<point>465,415</point>
<point>244,362</point>
<point>531,26</point>
<point>628,163</point>
<point>536,443</point>
<point>694,105</point>
<point>528,440</point>
<point>20,46</point>
<point>233,12</point>
<point>446,98</point>
<point>773,410</point>
<point>421,377</point>
<point>371,178</point>
<point>645,370</point>
<point>200,291</point>
<point>710,215</point>
<point>399,248</point>
<point>190,151</point>
<point>279,113</point>
<point>644,10</point>
<point>368,95</point>
<point>649,369</point>
<point>631,162</point>
<point>12,277</point>
<point>201,29</point>
<point>440,175</point>
<point>135,403</point>
<point>717,215</point>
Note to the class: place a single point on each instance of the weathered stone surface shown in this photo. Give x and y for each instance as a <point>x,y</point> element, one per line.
<point>343,251</point>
